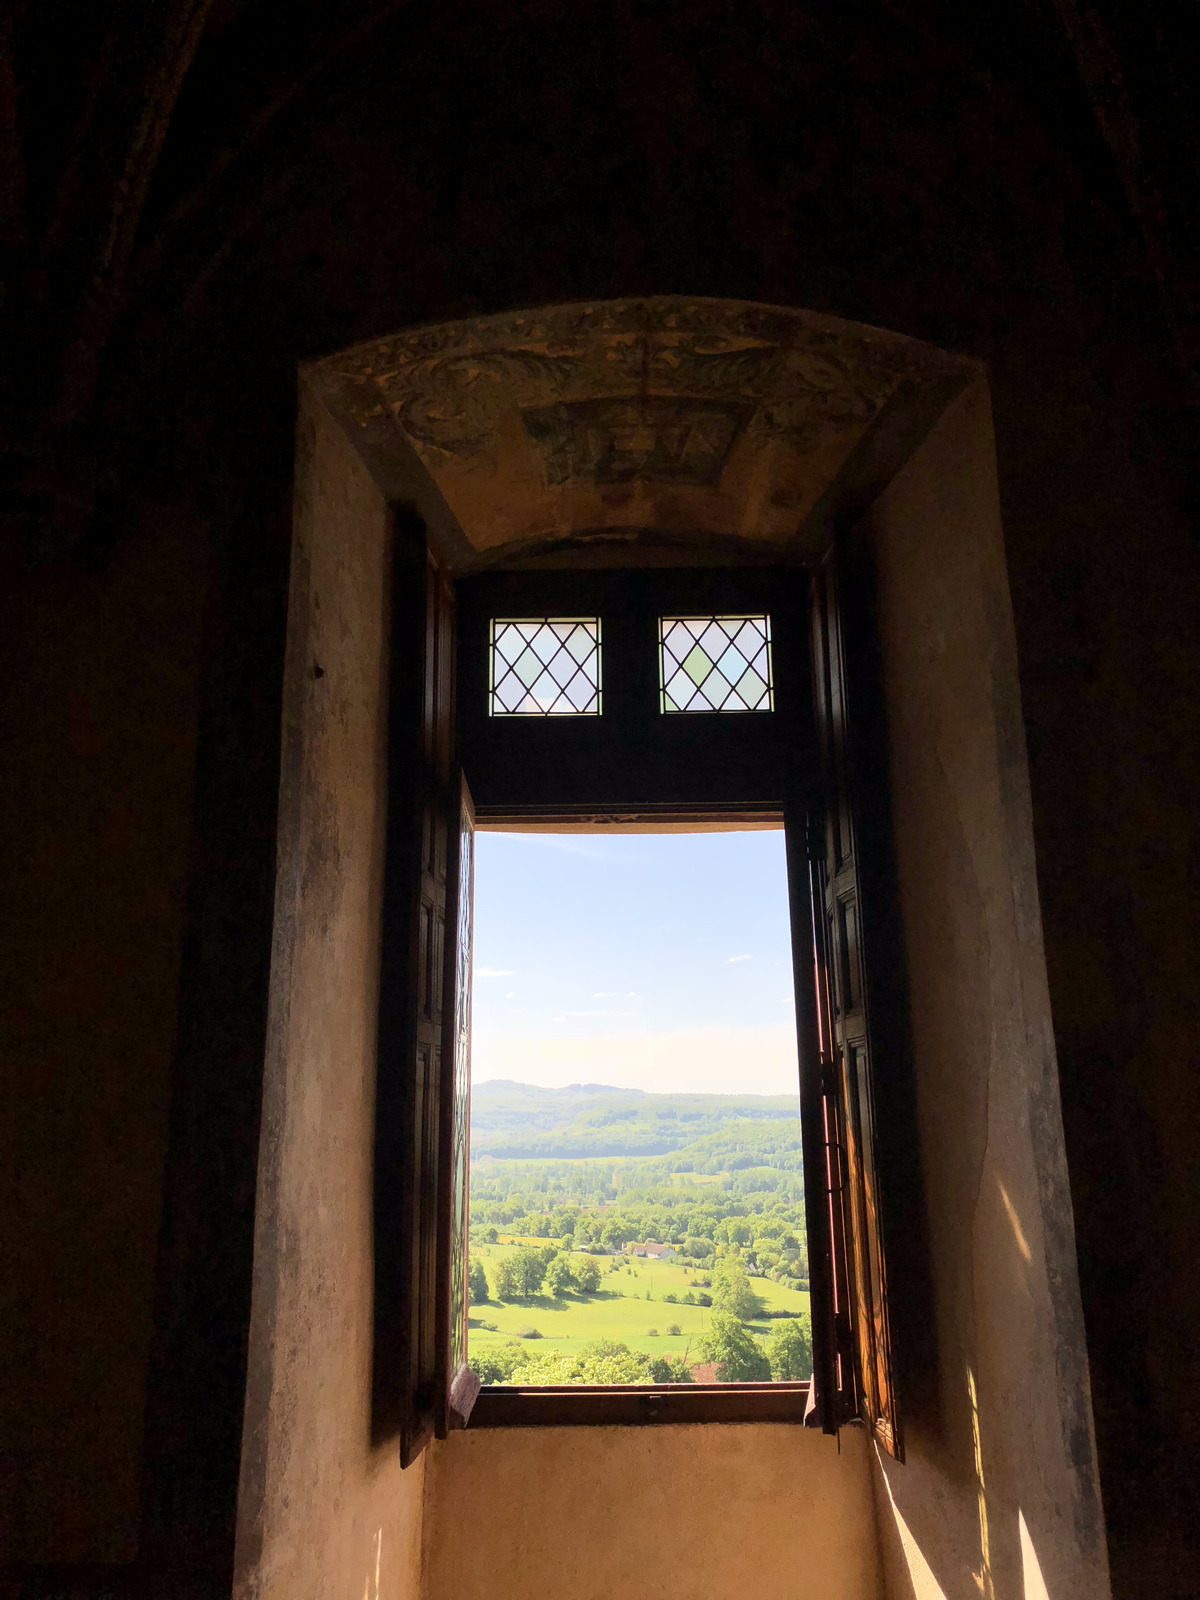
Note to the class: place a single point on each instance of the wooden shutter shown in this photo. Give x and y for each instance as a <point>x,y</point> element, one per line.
<point>457,1385</point>
<point>861,1374</point>
<point>412,998</point>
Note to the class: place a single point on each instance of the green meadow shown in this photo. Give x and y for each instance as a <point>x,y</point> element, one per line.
<point>629,1303</point>
<point>579,1173</point>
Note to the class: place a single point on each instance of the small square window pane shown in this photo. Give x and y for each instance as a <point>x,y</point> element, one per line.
<point>715,663</point>
<point>545,667</point>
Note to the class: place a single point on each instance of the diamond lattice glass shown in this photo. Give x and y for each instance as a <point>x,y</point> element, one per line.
<point>545,667</point>
<point>715,664</point>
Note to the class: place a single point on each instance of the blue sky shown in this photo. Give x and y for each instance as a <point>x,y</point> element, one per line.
<point>653,961</point>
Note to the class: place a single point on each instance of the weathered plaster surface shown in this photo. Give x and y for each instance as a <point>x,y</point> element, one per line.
<point>777,1513</point>
<point>1010,1436</point>
<point>323,1510</point>
<point>99,688</point>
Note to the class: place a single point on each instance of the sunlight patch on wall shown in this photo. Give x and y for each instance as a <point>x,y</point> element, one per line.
<point>925,1585</point>
<point>1018,1231</point>
<point>1031,1571</point>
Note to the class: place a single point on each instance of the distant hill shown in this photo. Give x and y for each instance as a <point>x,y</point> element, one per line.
<point>520,1120</point>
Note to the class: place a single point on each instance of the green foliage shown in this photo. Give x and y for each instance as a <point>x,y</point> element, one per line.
<point>603,1361</point>
<point>732,1292</point>
<point>496,1366</point>
<point>560,1279</point>
<point>737,1353</point>
<point>587,1276</point>
<point>520,1275</point>
<point>519,1120</point>
<point>477,1284</point>
<point>673,1329</point>
<point>528,1331</point>
<point>718,1176</point>
<point>543,1198</point>
<point>789,1349</point>
<point>670,1369</point>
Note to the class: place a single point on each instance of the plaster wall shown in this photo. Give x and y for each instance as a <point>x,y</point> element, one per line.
<point>323,1507</point>
<point>1000,1494</point>
<point>99,692</point>
<point>586,1513</point>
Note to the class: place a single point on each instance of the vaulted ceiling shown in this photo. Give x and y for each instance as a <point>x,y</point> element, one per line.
<point>672,420</point>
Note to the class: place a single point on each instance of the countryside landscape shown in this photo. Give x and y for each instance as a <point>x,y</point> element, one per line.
<point>619,1236</point>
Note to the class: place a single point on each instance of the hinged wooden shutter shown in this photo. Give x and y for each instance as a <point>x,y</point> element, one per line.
<point>457,1386</point>
<point>863,1377</point>
<point>413,997</point>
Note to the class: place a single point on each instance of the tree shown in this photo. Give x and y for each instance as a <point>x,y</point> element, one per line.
<point>496,1365</point>
<point>507,1279</point>
<point>520,1275</point>
<point>560,1279</point>
<point>602,1361</point>
<point>731,1290</point>
<point>587,1276</point>
<point>737,1353</point>
<point>790,1348</point>
<point>670,1369</point>
<point>477,1284</point>
<point>614,1234</point>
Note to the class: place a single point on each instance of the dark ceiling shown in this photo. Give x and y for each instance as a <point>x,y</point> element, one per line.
<point>201,195</point>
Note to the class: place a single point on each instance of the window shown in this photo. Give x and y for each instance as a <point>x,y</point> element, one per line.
<point>545,667</point>
<point>777,645</point>
<point>637,1194</point>
<point>715,663</point>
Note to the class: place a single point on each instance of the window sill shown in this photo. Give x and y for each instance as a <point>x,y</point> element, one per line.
<point>633,1405</point>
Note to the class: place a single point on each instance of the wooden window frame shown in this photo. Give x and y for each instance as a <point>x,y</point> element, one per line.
<point>638,1405</point>
<point>416,1387</point>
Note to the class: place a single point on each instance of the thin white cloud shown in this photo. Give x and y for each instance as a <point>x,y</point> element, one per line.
<point>732,959</point>
<point>494,972</point>
<point>568,842</point>
<point>564,1014</point>
<point>717,1060</point>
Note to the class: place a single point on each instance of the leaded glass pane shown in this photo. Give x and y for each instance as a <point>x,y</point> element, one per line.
<point>545,667</point>
<point>715,664</point>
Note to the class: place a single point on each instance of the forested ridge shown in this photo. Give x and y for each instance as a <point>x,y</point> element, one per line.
<point>514,1120</point>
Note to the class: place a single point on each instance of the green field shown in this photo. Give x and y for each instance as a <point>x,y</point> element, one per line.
<point>620,1310</point>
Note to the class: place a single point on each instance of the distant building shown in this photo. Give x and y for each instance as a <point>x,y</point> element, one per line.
<point>652,1251</point>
